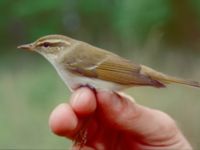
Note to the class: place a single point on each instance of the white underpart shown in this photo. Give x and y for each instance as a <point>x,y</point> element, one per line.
<point>74,81</point>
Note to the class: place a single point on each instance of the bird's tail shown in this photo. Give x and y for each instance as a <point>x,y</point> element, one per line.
<point>165,79</point>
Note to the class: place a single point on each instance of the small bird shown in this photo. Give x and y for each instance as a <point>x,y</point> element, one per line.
<point>81,64</point>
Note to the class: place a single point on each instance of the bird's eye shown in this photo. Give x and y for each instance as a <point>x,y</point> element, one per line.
<point>46,44</point>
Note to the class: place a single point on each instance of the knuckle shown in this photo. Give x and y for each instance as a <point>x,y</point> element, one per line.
<point>166,123</point>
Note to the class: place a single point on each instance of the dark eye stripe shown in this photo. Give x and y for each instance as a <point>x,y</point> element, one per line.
<point>48,44</point>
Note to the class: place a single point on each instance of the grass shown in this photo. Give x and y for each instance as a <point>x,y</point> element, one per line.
<point>29,90</point>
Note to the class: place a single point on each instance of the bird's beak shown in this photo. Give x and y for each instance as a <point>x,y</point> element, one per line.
<point>28,47</point>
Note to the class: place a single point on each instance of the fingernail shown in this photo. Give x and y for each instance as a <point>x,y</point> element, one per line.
<point>76,97</point>
<point>117,100</point>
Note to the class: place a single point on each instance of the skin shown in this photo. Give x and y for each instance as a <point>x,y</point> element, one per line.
<point>115,122</point>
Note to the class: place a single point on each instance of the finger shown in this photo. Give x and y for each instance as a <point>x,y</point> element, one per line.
<point>63,120</point>
<point>83,101</point>
<point>144,122</point>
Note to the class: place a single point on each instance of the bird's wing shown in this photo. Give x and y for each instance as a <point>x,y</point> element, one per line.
<point>105,66</point>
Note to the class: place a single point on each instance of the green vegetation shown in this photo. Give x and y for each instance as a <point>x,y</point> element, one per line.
<point>160,33</point>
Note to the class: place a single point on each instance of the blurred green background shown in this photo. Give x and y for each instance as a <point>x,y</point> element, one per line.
<point>163,34</point>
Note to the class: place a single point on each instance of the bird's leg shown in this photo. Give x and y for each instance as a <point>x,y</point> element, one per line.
<point>81,137</point>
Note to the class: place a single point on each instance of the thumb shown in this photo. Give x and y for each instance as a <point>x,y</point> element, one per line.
<point>123,114</point>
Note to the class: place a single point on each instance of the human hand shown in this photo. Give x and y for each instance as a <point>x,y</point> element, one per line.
<point>117,123</point>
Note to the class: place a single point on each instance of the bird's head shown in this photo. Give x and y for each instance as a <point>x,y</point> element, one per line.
<point>49,45</point>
